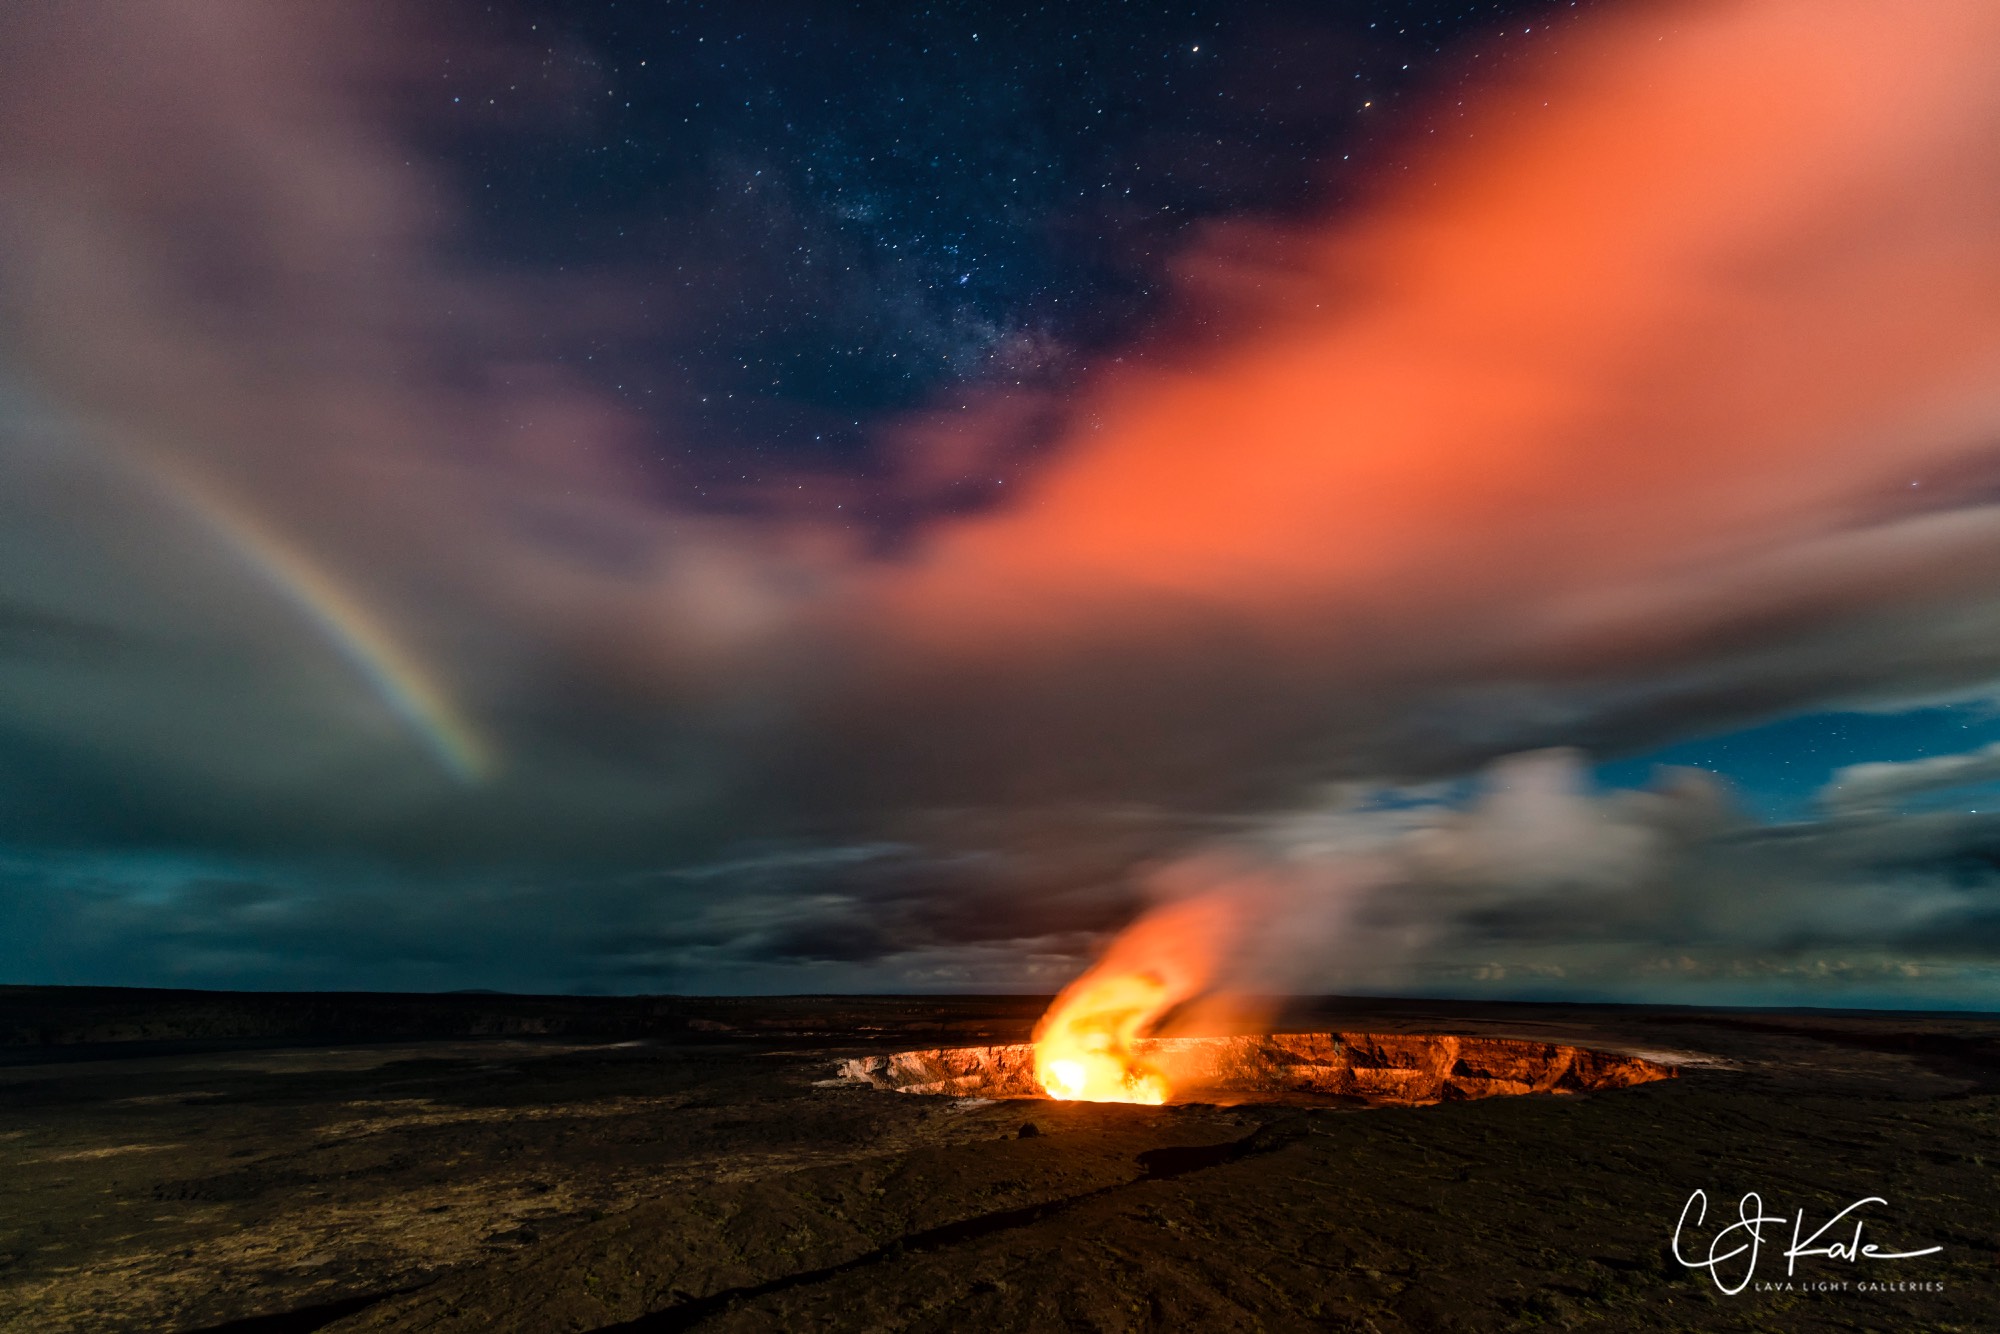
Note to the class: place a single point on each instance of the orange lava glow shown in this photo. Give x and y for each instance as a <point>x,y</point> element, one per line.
<point>1084,1045</point>
<point>1083,1049</point>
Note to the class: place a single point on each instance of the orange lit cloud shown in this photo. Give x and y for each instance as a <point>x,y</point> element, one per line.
<point>1642,366</point>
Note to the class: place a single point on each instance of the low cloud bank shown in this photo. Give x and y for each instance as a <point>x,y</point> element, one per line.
<point>1528,884</point>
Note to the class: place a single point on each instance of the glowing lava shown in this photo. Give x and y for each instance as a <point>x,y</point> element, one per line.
<point>1371,1069</point>
<point>1085,1046</point>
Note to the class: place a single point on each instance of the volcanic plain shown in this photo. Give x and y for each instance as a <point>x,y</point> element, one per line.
<point>177,1161</point>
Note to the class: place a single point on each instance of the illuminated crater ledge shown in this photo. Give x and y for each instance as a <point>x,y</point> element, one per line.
<point>1384,1069</point>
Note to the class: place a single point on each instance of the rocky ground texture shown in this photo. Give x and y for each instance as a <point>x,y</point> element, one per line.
<point>176,1162</point>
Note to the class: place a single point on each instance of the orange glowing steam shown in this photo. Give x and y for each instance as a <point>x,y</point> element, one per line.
<point>1674,299</point>
<point>1084,1045</point>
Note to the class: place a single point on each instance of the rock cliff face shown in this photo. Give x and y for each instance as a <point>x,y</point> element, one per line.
<point>1394,1069</point>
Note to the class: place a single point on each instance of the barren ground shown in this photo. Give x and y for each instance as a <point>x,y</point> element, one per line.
<point>185,1161</point>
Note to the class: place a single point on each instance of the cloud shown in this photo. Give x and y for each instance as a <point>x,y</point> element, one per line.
<point>1536,885</point>
<point>1602,427</point>
<point>826,918</point>
<point>1858,788</point>
<point>1663,895</point>
<point>1656,394</point>
<point>343,534</point>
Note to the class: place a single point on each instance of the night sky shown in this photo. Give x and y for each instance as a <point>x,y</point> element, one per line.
<point>618,497</point>
<point>815,218</point>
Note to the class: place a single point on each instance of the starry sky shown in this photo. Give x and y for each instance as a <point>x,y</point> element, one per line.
<point>617,497</point>
<point>831,215</point>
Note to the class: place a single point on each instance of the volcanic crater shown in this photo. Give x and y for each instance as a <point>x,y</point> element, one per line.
<point>482,1164</point>
<point>1372,1069</point>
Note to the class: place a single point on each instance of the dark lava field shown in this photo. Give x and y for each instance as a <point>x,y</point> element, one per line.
<point>175,1161</point>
